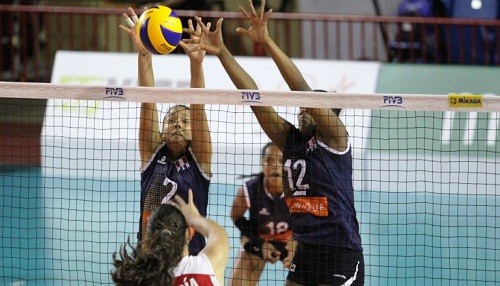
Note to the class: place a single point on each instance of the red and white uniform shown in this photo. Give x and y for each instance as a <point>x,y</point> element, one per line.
<point>195,270</point>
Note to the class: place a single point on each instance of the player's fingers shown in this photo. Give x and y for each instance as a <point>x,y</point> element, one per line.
<point>131,11</point>
<point>133,15</point>
<point>261,9</point>
<point>242,31</point>
<point>188,41</point>
<point>200,23</point>
<point>250,3</point>
<point>173,203</point>
<point>276,255</point>
<point>268,14</point>
<point>124,28</point>
<point>244,12</point>
<point>190,24</point>
<point>184,46</point>
<point>190,197</point>
<point>287,264</point>
<point>219,24</point>
<point>198,28</point>
<point>187,49</point>
<point>129,22</point>
<point>179,201</point>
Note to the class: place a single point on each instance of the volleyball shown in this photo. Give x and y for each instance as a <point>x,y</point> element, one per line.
<point>159,29</point>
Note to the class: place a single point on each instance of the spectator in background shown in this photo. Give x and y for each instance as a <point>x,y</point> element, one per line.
<point>22,38</point>
<point>416,42</point>
<point>6,36</point>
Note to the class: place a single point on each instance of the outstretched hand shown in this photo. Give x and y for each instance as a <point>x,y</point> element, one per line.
<point>258,31</point>
<point>131,19</point>
<point>194,55</point>
<point>188,209</point>
<point>204,39</point>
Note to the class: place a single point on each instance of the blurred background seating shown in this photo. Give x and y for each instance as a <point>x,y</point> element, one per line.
<point>454,32</point>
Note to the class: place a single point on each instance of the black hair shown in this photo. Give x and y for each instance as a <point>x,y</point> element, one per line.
<point>264,148</point>
<point>262,154</point>
<point>151,262</point>
<point>335,110</point>
<point>169,111</point>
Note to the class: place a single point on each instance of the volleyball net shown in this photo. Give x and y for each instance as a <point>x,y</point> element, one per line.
<point>426,178</point>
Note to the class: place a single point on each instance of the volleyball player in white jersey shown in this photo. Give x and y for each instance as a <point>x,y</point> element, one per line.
<point>163,257</point>
<point>317,166</point>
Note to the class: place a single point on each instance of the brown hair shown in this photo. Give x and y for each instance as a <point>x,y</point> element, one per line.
<point>151,262</point>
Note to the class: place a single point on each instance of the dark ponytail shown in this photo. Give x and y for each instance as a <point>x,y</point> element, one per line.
<point>152,261</point>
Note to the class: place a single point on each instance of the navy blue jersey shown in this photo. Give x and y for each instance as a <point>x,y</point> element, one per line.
<point>161,179</point>
<point>318,186</point>
<point>268,212</point>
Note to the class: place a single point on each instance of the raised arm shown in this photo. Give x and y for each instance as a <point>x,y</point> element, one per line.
<point>332,129</point>
<point>201,142</point>
<point>272,124</point>
<point>258,33</point>
<point>217,248</point>
<point>149,125</point>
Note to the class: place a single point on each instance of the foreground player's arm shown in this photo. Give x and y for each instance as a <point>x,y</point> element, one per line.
<point>149,130</point>
<point>217,248</point>
<point>272,124</point>
<point>202,141</point>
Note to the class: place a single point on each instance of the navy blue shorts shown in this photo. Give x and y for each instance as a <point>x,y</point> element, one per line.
<point>327,265</point>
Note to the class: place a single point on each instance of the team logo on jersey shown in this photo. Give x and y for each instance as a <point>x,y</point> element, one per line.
<point>182,163</point>
<point>317,206</point>
<point>311,145</point>
<point>264,211</point>
<point>162,160</point>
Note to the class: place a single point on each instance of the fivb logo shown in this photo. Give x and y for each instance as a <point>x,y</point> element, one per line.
<point>395,100</point>
<point>114,92</point>
<point>250,96</point>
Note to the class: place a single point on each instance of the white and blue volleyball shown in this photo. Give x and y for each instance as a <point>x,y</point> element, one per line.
<point>159,29</point>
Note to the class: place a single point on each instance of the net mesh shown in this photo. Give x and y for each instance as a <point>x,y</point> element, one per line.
<point>426,179</point>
